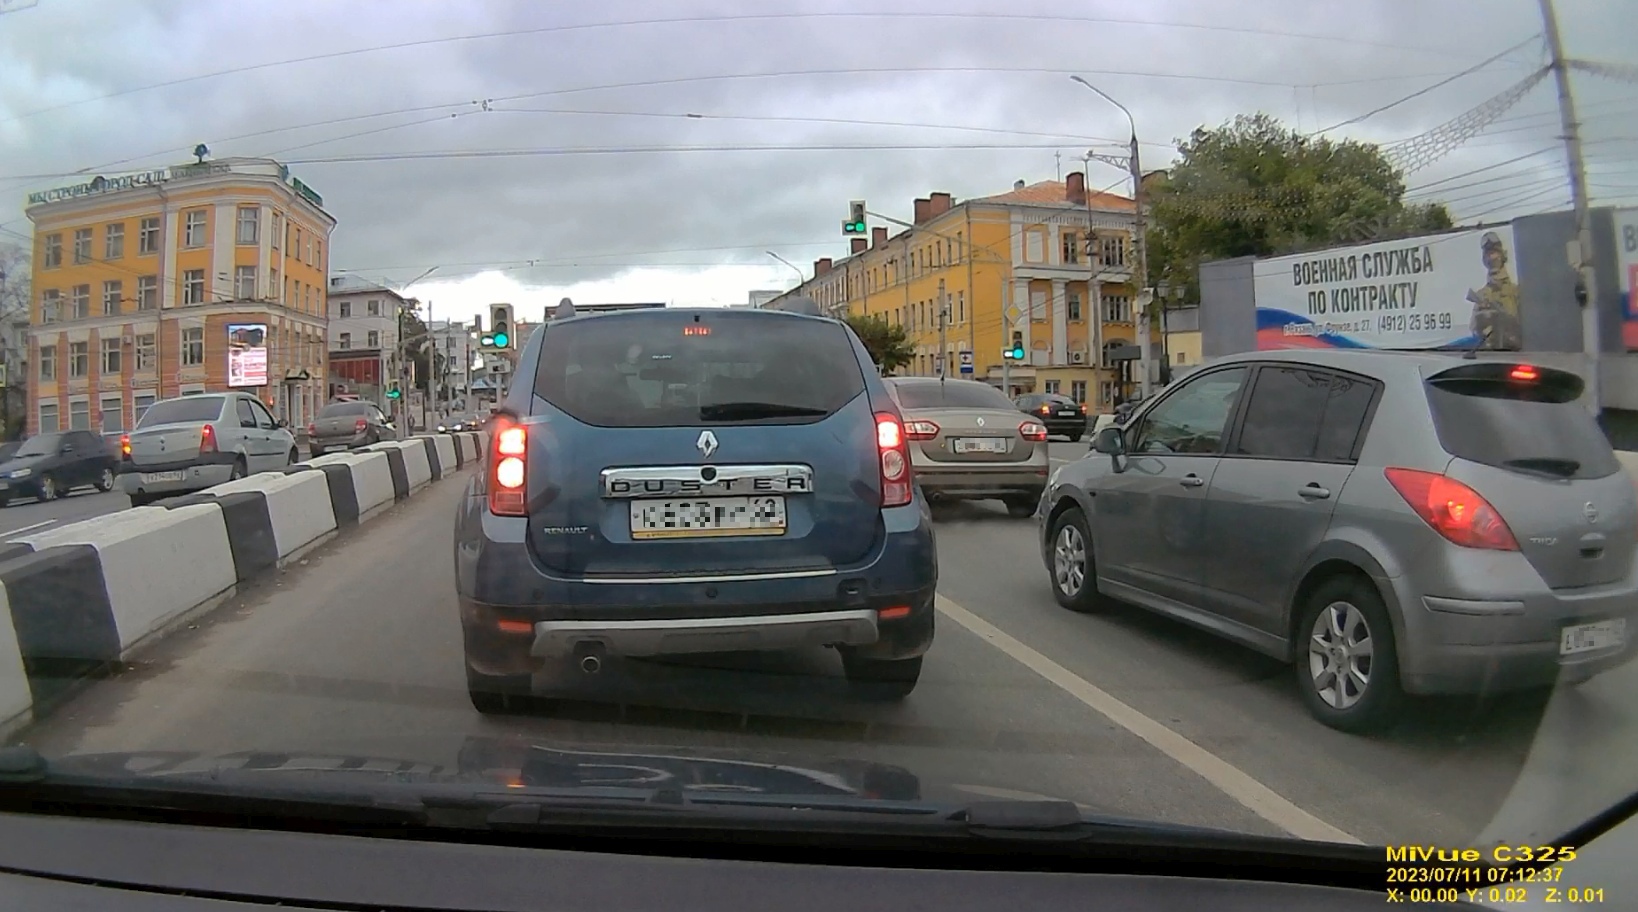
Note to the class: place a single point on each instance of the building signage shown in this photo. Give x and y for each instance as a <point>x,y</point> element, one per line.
<point>1626,260</point>
<point>99,185</point>
<point>247,354</point>
<point>1456,290</point>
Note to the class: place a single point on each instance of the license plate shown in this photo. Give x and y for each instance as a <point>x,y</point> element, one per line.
<point>708,517</point>
<point>161,477</point>
<point>979,444</point>
<point>1068,414</point>
<point>1592,637</point>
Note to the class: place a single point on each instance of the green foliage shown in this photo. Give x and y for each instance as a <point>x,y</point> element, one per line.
<point>888,344</point>
<point>1253,187</point>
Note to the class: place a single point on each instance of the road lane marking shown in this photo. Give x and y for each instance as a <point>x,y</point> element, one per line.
<point>1230,780</point>
<point>30,528</point>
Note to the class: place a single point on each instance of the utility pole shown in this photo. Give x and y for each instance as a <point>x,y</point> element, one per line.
<point>943,320</point>
<point>1140,253</point>
<point>1006,339</point>
<point>1591,335</point>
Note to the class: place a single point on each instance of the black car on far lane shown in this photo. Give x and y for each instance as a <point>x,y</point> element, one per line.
<point>1063,416</point>
<point>48,465</point>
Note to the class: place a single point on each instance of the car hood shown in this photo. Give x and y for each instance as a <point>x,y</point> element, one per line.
<point>21,462</point>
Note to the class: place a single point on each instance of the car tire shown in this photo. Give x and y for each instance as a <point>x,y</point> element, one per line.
<point>105,482</point>
<point>1074,569</point>
<point>314,452</point>
<point>497,695</point>
<point>1329,632</point>
<point>292,457</point>
<point>1022,506</point>
<point>1076,437</point>
<point>881,679</point>
<point>140,498</point>
<point>238,470</point>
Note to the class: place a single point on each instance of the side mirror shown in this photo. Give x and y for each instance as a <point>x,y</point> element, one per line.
<point>1110,441</point>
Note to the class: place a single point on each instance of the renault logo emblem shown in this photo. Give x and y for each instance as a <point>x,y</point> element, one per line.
<point>707,444</point>
<point>980,422</point>
<point>1591,512</point>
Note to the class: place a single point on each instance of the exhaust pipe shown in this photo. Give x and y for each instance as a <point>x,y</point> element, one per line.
<point>590,657</point>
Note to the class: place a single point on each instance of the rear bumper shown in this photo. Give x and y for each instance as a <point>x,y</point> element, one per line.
<point>335,443</point>
<point>1065,427</point>
<point>196,473</point>
<point>976,481</point>
<point>516,616</point>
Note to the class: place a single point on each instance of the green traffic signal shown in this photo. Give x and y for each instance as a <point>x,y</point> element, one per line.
<point>500,340</point>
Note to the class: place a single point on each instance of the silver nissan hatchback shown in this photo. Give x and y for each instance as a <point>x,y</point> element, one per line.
<point>1389,523</point>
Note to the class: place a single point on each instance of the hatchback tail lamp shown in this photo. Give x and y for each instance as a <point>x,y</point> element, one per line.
<point>1453,509</point>
<point>312,431</point>
<point>1083,408</point>
<point>920,430</point>
<point>1046,409</point>
<point>508,473</point>
<point>1033,431</point>
<point>894,452</point>
<point>125,447</point>
<point>207,439</point>
<point>1525,373</point>
<point>360,425</point>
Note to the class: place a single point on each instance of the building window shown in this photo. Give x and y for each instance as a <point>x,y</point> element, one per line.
<point>244,283</point>
<point>345,341</point>
<point>113,241</point>
<point>79,415</point>
<point>48,362</point>
<point>52,255</point>
<point>374,337</point>
<point>140,403</point>
<point>79,359</point>
<point>50,306</point>
<point>193,228</point>
<point>1106,392</point>
<point>250,222</point>
<point>80,301</point>
<point>318,255</point>
<point>193,286</point>
<point>1113,251</point>
<point>1052,387</point>
<point>1077,391</point>
<point>82,245</point>
<point>193,346</point>
<point>145,359</point>
<point>345,309</point>
<point>275,229</point>
<point>1070,247</point>
<point>1109,349</point>
<point>112,291</point>
<point>373,307</point>
<point>113,414</point>
<point>112,361</point>
<point>1117,309</point>
<point>148,237</point>
<point>48,418</point>
<point>274,286</point>
<point>1073,298</point>
<point>147,292</point>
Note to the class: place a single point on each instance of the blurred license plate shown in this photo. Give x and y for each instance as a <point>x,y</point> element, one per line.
<point>1068,413</point>
<point>979,444</point>
<point>708,517</point>
<point>1590,637</point>
<point>160,477</point>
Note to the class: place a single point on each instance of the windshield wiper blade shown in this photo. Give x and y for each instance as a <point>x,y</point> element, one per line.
<point>732,411</point>
<point>1557,466</point>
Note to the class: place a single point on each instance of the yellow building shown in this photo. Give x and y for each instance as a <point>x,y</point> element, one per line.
<point>1012,263</point>
<point>147,286</point>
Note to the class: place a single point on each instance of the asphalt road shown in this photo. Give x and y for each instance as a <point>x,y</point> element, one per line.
<point>356,650</point>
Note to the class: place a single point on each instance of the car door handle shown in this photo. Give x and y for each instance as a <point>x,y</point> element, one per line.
<point>1313,491</point>
<point>1191,481</point>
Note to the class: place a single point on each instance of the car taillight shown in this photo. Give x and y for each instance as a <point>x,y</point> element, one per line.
<point>1033,431</point>
<point>312,430</point>
<point>207,439</point>
<point>510,446</point>
<point>894,451</point>
<point>1046,409</point>
<point>1083,408</point>
<point>125,446</point>
<point>920,430</point>
<point>1453,509</point>
<point>360,425</point>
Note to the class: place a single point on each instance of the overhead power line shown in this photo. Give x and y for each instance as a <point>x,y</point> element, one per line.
<point>1418,152</point>
<point>1425,90</point>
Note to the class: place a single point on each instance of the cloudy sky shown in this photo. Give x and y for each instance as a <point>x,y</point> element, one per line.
<point>659,150</point>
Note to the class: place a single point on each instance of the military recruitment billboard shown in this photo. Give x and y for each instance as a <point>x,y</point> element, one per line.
<point>1446,291</point>
<point>1626,246</point>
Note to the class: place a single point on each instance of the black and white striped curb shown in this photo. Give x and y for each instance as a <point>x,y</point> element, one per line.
<point>83,596</point>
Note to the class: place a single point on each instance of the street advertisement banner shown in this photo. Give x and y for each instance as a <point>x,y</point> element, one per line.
<point>1626,245</point>
<point>247,354</point>
<point>1445,291</point>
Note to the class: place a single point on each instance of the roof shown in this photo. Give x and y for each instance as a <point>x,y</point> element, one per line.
<point>1055,193</point>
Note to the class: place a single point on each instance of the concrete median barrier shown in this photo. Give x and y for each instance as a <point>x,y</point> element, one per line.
<point>82,597</point>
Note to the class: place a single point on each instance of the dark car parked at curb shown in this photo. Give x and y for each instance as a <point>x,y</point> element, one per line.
<point>666,482</point>
<point>47,466</point>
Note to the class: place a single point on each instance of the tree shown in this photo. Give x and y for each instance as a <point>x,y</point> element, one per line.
<point>14,316</point>
<point>888,344</point>
<point>1253,187</point>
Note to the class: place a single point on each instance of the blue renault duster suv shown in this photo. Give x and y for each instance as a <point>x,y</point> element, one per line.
<point>673,481</point>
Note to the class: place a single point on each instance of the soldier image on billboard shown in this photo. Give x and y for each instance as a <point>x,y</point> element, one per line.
<point>1496,305</point>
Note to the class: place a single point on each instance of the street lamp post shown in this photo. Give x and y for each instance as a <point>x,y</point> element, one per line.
<point>800,278</point>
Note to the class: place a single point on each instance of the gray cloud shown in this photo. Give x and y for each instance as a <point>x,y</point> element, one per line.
<point>610,211</point>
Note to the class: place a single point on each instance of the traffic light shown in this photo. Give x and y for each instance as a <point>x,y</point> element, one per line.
<point>1015,352</point>
<point>855,223</point>
<point>500,334</point>
<point>393,392</point>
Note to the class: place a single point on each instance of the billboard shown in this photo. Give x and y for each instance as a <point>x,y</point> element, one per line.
<point>1457,290</point>
<point>1626,261</point>
<point>247,354</point>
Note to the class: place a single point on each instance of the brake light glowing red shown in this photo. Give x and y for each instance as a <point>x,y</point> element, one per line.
<point>125,446</point>
<point>1083,408</point>
<point>360,425</point>
<point>1453,509</point>
<point>696,330</point>
<point>920,430</point>
<point>207,439</point>
<point>1033,431</point>
<point>312,431</point>
<point>1525,372</point>
<point>508,471</point>
<point>895,460</point>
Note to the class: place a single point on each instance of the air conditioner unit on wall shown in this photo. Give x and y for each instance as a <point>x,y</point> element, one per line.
<point>1077,357</point>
